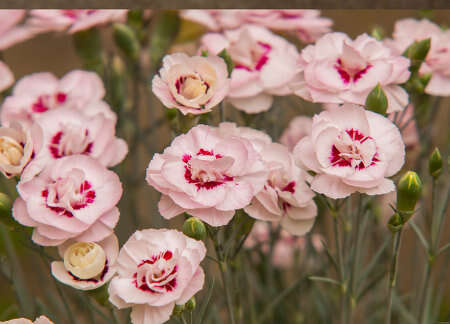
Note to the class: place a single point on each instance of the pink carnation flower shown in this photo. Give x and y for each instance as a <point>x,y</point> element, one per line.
<point>191,84</point>
<point>307,23</point>
<point>208,174</point>
<point>351,149</point>
<point>285,198</point>
<point>86,265</point>
<point>298,128</point>
<point>74,19</point>
<point>66,132</point>
<point>338,70</point>
<point>37,93</point>
<point>40,320</point>
<point>156,270</point>
<point>18,145</point>
<point>265,64</point>
<point>6,76</point>
<point>11,32</point>
<point>73,198</point>
<point>437,62</point>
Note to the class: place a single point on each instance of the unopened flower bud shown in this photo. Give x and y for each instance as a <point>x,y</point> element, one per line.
<point>377,100</point>
<point>377,33</point>
<point>127,41</point>
<point>228,61</point>
<point>409,189</point>
<point>190,305</point>
<point>395,223</point>
<point>178,309</point>
<point>194,228</point>
<point>85,260</point>
<point>435,164</point>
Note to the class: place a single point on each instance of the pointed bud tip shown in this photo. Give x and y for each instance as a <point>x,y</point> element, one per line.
<point>435,164</point>
<point>194,228</point>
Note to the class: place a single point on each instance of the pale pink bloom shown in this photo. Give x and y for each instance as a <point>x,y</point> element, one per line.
<point>265,64</point>
<point>6,76</point>
<point>285,198</point>
<point>285,247</point>
<point>37,93</point>
<point>11,31</point>
<point>337,69</point>
<point>39,320</point>
<point>75,198</point>
<point>157,269</point>
<point>17,146</point>
<point>192,84</point>
<point>437,62</point>
<point>298,128</point>
<point>306,23</point>
<point>351,149</point>
<point>258,138</point>
<point>409,132</point>
<point>74,20</point>
<point>67,131</point>
<point>93,264</point>
<point>208,174</point>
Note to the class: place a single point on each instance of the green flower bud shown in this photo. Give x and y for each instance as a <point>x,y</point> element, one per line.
<point>377,101</point>
<point>409,189</point>
<point>395,223</point>
<point>178,309</point>
<point>417,52</point>
<point>88,46</point>
<point>377,33</point>
<point>228,61</point>
<point>190,305</point>
<point>435,164</point>
<point>194,227</point>
<point>127,41</point>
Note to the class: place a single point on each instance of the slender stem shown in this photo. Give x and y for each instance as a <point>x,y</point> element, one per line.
<point>341,269</point>
<point>66,304</point>
<point>24,298</point>
<point>222,112</point>
<point>424,292</point>
<point>393,273</point>
<point>115,320</point>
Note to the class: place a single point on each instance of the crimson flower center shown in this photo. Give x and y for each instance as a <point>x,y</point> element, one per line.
<point>350,74</point>
<point>71,140</point>
<point>46,102</point>
<point>206,170</point>
<point>157,274</point>
<point>353,149</point>
<point>64,196</point>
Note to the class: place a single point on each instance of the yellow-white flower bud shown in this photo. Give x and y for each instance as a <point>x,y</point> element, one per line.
<point>11,152</point>
<point>85,260</point>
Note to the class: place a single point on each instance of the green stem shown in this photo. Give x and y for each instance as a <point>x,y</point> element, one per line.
<point>27,306</point>
<point>341,270</point>
<point>393,273</point>
<point>424,292</point>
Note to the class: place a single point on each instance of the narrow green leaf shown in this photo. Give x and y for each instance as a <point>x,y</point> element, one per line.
<point>325,279</point>
<point>444,248</point>
<point>420,236</point>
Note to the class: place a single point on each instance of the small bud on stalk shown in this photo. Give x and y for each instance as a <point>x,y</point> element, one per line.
<point>409,189</point>
<point>190,305</point>
<point>377,101</point>
<point>178,310</point>
<point>435,164</point>
<point>194,228</point>
<point>127,41</point>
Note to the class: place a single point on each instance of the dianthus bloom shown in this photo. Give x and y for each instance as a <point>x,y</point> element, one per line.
<point>40,320</point>
<point>351,149</point>
<point>17,148</point>
<point>191,84</point>
<point>306,23</point>
<point>67,131</point>
<point>156,270</point>
<point>6,76</point>
<point>265,64</point>
<point>74,19</point>
<point>437,62</point>
<point>37,93</point>
<point>72,198</point>
<point>86,265</point>
<point>298,128</point>
<point>285,198</point>
<point>337,69</point>
<point>208,174</point>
